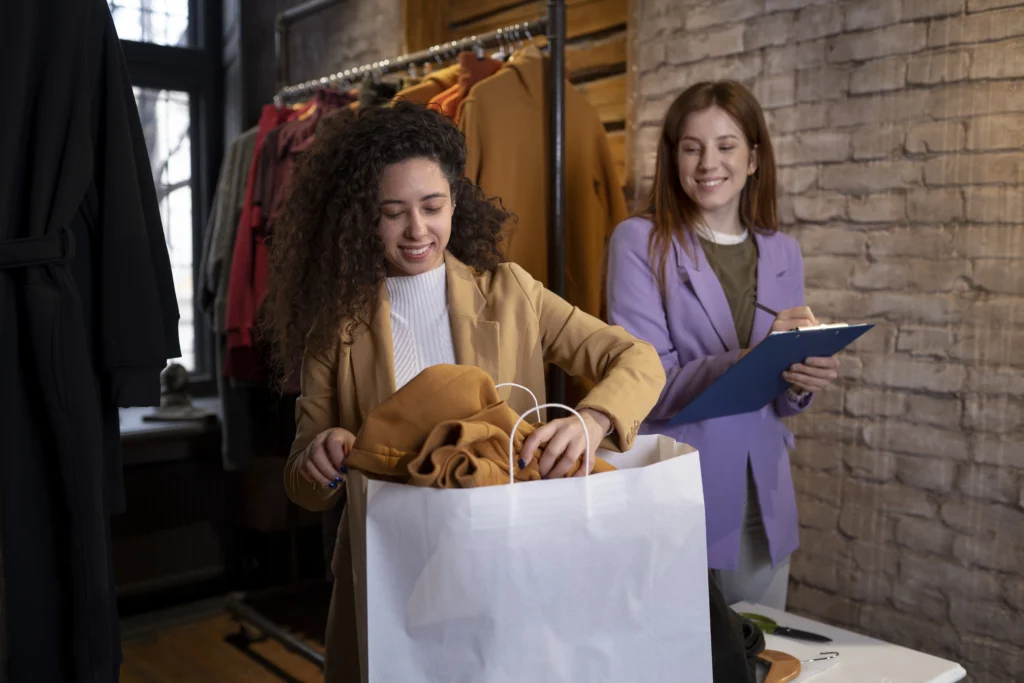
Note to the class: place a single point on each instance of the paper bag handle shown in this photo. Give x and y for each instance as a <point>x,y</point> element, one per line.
<point>537,409</point>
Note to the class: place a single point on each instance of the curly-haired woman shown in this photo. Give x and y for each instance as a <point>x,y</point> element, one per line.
<point>387,261</point>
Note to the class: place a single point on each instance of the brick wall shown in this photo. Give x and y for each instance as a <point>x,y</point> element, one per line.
<point>899,130</point>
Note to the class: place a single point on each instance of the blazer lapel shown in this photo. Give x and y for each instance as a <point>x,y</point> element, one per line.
<point>768,290</point>
<point>373,358</point>
<point>475,340</point>
<point>708,290</point>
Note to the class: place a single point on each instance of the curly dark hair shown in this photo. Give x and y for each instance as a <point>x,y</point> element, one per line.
<point>326,258</point>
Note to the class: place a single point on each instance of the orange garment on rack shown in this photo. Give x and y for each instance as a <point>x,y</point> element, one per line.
<point>472,70</point>
<point>446,428</point>
<point>432,85</point>
<point>504,119</point>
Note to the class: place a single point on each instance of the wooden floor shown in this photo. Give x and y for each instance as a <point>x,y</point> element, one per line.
<point>190,647</point>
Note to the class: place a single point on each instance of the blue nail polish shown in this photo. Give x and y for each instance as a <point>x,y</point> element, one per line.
<point>337,480</point>
<point>344,470</point>
<point>333,485</point>
<point>522,463</point>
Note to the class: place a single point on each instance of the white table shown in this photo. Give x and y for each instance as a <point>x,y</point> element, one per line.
<point>861,659</point>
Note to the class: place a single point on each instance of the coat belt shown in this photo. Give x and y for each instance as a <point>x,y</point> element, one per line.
<point>37,251</point>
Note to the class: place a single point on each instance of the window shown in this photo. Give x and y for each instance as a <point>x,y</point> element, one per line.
<point>175,76</point>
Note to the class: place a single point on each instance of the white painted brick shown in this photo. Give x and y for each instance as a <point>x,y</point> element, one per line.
<point>828,272</point>
<point>738,68</point>
<point>993,414</point>
<point>652,110</point>
<point>976,169</point>
<point>992,619</point>
<point>914,630</point>
<point>976,98</point>
<point>939,67</point>
<point>936,136</point>
<point>998,450</point>
<point>907,373</point>
<point>868,402</point>
<point>797,118</point>
<point>927,535</point>
<point>721,12</point>
<point>867,14</point>
<point>781,5</point>
<point>818,22</point>
<point>820,207</point>
<point>1002,276</point>
<point>784,208</point>
<point>999,60</point>
<point>907,438</point>
<point>921,571</point>
<point>996,132</point>
<point>977,517</point>
<point>773,91</point>
<point>890,40</point>
<point>985,5</point>
<point>768,31</point>
<point>878,208</point>
<point>1000,554</point>
<point>888,498</point>
<point>879,76</point>
<point>865,523</point>
<point>705,44</point>
<point>925,341</point>
<point>794,56</point>
<point>926,9</point>
<point>871,176</point>
<point>881,109</point>
<point>662,84</point>
<point>921,242</point>
<point>816,484</point>
<point>913,275</point>
<point>933,410</point>
<point>935,206</point>
<point>823,83</point>
<point>996,380</point>
<point>877,142</point>
<point>988,483</point>
<point>1001,345</point>
<point>933,309</point>
<point>797,179</point>
<point>831,239</point>
<point>650,55</point>
<point>812,147</point>
<point>927,603</point>
<point>995,204</point>
<point>981,313</point>
<point>998,242</point>
<point>976,28</point>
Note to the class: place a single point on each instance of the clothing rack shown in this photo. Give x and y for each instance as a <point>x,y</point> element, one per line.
<point>553,24</point>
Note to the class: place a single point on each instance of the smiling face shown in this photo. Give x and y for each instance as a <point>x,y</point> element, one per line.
<point>715,161</point>
<point>415,216</point>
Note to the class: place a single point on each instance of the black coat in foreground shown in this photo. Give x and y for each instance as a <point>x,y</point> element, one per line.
<point>88,318</point>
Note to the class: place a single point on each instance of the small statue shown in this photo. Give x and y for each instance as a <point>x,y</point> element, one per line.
<point>175,402</point>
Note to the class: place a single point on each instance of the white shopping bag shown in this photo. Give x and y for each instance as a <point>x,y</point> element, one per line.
<point>579,580</point>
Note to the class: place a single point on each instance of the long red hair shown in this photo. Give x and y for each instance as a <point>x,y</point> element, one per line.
<point>672,212</point>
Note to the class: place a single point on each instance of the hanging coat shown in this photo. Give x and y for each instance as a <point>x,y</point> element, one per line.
<point>88,318</point>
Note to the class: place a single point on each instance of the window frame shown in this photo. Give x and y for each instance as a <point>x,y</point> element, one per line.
<point>197,70</point>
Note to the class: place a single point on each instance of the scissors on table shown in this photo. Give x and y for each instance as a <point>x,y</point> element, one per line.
<point>769,625</point>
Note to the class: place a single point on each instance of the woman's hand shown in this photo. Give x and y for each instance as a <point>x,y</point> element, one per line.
<point>814,374</point>
<point>564,443</point>
<point>792,318</point>
<point>324,458</point>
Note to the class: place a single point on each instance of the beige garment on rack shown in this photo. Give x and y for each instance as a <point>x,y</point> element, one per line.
<point>503,119</point>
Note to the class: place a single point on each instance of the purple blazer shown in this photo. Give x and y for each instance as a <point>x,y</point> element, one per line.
<point>693,330</point>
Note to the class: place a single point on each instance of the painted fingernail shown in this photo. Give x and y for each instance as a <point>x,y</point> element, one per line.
<point>337,480</point>
<point>333,485</point>
<point>522,463</point>
<point>344,470</point>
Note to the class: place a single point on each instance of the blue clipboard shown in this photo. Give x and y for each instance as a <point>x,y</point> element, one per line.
<point>756,380</point>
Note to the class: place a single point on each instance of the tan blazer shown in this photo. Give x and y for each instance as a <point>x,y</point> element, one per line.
<point>505,323</point>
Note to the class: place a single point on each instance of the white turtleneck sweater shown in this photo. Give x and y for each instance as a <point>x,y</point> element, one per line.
<point>421,331</point>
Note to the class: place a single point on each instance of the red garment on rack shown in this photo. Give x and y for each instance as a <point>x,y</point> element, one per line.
<point>288,133</point>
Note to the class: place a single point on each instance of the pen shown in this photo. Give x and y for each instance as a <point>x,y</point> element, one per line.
<point>766,310</point>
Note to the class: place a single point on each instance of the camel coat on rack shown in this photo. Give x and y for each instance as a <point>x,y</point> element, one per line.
<point>504,119</point>
<point>503,322</point>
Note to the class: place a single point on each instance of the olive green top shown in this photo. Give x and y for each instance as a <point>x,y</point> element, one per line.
<point>736,268</point>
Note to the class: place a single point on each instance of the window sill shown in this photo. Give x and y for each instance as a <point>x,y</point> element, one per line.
<point>134,428</point>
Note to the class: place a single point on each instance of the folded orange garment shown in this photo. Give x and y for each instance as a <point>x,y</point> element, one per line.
<point>447,428</point>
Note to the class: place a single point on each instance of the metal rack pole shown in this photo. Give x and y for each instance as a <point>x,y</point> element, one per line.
<point>556,162</point>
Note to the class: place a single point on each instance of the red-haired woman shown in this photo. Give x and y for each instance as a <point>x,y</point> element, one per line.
<point>684,276</point>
